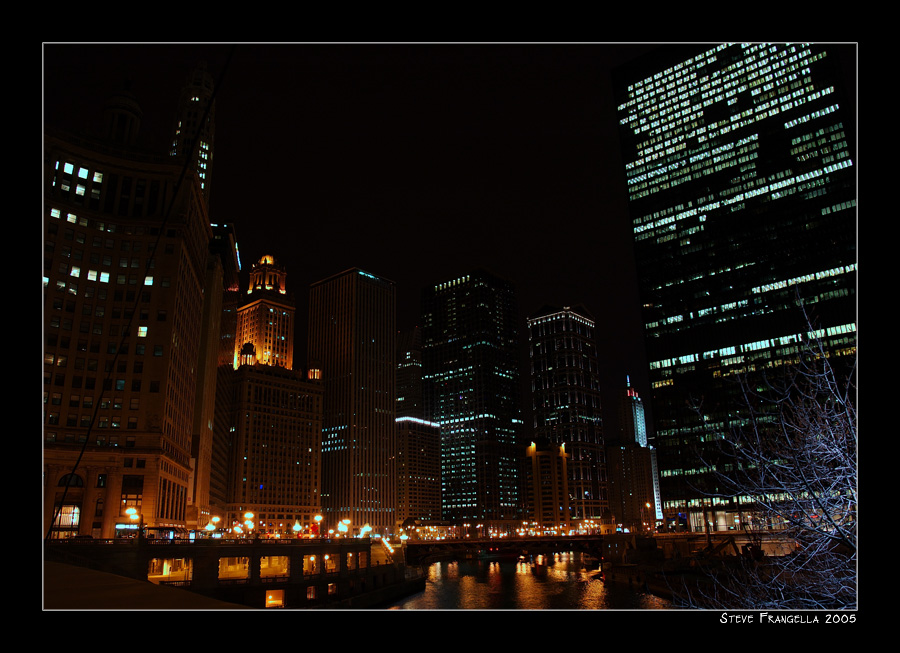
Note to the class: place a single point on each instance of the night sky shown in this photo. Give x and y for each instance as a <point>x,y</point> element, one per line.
<point>417,163</point>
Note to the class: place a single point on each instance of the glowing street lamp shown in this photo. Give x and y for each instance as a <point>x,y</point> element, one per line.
<point>135,516</point>
<point>318,519</point>
<point>297,527</point>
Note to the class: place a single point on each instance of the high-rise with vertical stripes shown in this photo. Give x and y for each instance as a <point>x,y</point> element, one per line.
<point>742,193</point>
<point>352,336</point>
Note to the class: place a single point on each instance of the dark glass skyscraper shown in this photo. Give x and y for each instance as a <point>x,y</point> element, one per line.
<point>742,193</point>
<point>471,373</point>
<point>565,386</point>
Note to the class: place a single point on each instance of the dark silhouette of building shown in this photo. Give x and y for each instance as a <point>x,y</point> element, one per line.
<point>742,194</point>
<point>471,364</point>
<point>224,246</point>
<point>194,134</point>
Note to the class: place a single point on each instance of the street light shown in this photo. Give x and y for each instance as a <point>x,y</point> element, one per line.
<point>133,514</point>
<point>318,519</point>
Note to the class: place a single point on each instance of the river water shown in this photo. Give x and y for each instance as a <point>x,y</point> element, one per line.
<point>562,581</point>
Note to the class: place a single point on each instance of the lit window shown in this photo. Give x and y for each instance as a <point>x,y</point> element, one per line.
<point>142,332</point>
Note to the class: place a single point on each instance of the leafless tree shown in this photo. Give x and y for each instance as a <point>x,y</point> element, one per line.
<point>795,457</point>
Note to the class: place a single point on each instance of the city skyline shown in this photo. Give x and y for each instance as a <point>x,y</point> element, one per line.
<point>447,157</point>
<point>452,188</point>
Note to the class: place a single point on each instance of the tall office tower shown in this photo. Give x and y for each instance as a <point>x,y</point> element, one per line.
<point>742,194</point>
<point>273,433</point>
<point>418,440</point>
<point>195,126</point>
<point>265,319</point>
<point>200,506</point>
<point>471,366</point>
<point>125,274</point>
<point>224,247</point>
<point>352,337</point>
<point>565,390</point>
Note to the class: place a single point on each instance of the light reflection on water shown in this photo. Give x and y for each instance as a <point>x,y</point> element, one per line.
<point>556,582</point>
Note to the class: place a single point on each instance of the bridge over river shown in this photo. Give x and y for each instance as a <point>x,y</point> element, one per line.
<point>614,548</point>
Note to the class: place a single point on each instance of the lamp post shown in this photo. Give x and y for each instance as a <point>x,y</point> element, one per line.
<point>318,520</point>
<point>134,515</point>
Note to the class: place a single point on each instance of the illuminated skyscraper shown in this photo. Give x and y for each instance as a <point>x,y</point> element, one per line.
<point>742,193</point>
<point>265,319</point>
<point>634,425</point>
<point>273,431</point>
<point>565,390</point>
<point>471,364</point>
<point>352,336</point>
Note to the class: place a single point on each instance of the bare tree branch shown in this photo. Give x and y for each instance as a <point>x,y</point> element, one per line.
<point>795,457</point>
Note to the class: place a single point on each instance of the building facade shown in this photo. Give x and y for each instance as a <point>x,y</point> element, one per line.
<point>275,463</point>
<point>471,370</point>
<point>565,390</point>
<point>125,270</point>
<point>352,344</point>
<point>742,194</point>
<point>548,504</point>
